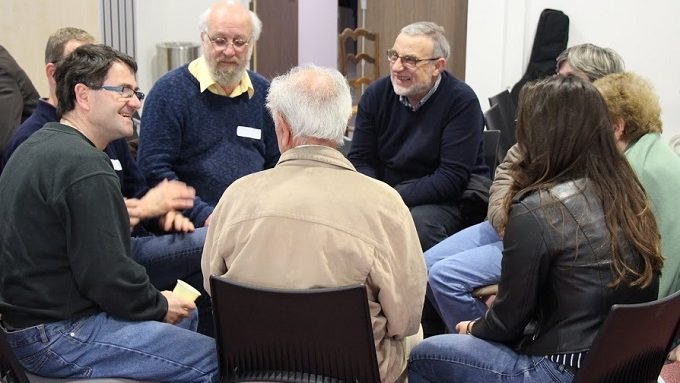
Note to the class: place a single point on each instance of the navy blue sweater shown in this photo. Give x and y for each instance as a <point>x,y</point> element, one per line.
<point>429,155</point>
<point>198,137</point>
<point>131,179</point>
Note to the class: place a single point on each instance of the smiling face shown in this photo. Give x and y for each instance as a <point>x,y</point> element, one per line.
<point>229,22</point>
<point>111,112</point>
<point>414,82</point>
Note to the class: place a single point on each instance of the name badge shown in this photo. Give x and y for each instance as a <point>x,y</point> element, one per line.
<point>116,165</point>
<point>244,131</point>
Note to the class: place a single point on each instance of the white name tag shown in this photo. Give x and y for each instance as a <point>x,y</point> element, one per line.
<point>244,131</point>
<point>116,165</point>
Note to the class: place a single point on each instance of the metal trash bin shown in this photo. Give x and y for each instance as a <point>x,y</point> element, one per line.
<point>170,55</point>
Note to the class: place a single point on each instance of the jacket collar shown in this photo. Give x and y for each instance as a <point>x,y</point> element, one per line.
<point>315,155</point>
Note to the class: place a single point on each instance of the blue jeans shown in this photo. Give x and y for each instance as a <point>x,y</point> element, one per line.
<point>461,263</point>
<point>464,358</point>
<point>100,346</point>
<point>169,257</point>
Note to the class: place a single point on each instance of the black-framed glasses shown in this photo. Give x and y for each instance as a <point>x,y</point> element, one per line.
<point>222,43</point>
<point>406,60</point>
<point>124,90</point>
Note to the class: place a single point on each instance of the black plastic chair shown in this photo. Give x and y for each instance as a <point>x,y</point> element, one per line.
<point>281,335</point>
<point>10,369</point>
<point>633,343</point>
<point>491,139</point>
<point>508,111</point>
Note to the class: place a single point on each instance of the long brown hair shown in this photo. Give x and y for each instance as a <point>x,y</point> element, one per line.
<point>564,129</point>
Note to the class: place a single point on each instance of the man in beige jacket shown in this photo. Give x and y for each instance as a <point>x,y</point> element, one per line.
<point>313,221</point>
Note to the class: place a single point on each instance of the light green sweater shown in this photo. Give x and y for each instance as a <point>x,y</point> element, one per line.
<point>658,169</point>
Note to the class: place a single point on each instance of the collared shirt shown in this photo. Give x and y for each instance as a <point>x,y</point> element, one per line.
<point>404,99</point>
<point>199,69</point>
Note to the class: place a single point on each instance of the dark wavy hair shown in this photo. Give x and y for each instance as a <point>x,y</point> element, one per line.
<point>89,65</point>
<point>564,128</point>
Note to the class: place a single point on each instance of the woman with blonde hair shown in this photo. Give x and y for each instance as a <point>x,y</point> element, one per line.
<point>635,113</point>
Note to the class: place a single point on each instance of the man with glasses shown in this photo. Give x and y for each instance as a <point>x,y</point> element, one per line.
<point>73,303</point>
<point>206,123</point>
<point>420,130</point>
<point>168,257</point>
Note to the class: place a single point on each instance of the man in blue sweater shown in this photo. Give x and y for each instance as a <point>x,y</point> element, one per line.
<point>420,131</point>
<point>166,257</point>
<point>206,123</point>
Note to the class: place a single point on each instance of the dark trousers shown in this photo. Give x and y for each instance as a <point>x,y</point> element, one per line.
<point>434,223</point>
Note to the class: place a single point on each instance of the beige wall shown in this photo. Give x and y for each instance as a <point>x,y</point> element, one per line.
<point>25,26</point>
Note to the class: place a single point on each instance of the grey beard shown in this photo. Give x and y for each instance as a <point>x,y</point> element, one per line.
<point>228,78</point>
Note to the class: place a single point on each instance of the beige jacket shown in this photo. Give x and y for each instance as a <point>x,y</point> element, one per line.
<point>501,186</point>
<point>313,221</point>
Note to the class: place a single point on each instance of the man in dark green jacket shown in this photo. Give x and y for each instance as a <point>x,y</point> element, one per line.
<point>73,303</point>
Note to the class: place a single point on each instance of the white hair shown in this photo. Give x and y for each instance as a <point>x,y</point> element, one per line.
<point>254,20</point>
<point>435,32</point>
<point>315,101</point>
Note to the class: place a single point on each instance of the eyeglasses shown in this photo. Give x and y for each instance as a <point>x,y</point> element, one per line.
<point>222,43</point>
<point>124,90</point>
<point>407,60</point>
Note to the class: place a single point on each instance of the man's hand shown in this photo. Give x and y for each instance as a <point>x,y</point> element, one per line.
<point>134,211</point>
<point>175,221</point>
<point>178,308</point>
<point>166,196</point>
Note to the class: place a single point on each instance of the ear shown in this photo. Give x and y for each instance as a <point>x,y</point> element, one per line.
<point>619,128</point>
<point>83,98</point>
<point>283,134</point>
<point>439,66</point>
<point>49,72</point>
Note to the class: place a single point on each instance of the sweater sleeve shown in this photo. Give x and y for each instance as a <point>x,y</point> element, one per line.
<point>459,147</point>
<point>98,247</point>
<point>524,269</point>
<point>160,140</point>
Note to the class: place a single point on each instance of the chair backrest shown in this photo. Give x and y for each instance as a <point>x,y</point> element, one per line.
<point>491,139</point>
<point>633,343</point>
<point>508,111</point>
<point>293,335</point>
<point>10,369</point>
<point>355,74</point>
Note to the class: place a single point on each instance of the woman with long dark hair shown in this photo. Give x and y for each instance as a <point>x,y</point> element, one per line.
<point>579,238</point>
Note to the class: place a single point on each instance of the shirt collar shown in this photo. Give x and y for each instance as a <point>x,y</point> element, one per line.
<point>404,99</point>
<point>199,69</point>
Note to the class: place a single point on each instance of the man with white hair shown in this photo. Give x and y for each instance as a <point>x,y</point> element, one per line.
<point>205,123</point>
<point>341,227</point>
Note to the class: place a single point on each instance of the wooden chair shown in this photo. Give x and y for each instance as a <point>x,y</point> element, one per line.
<point>356,75</point>
<point>352,63</point>
<point>633,342</point>
<point>281,335</point>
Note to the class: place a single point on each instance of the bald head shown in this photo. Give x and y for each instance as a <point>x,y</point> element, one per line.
<point>314,102</point>
<point>231,14</point>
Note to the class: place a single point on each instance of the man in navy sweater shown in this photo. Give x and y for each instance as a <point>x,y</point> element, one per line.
<point>166,257</point>
<point>206,123</point>
<point>420,131</point>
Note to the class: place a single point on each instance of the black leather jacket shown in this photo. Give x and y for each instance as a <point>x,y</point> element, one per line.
<point>555,271</point>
